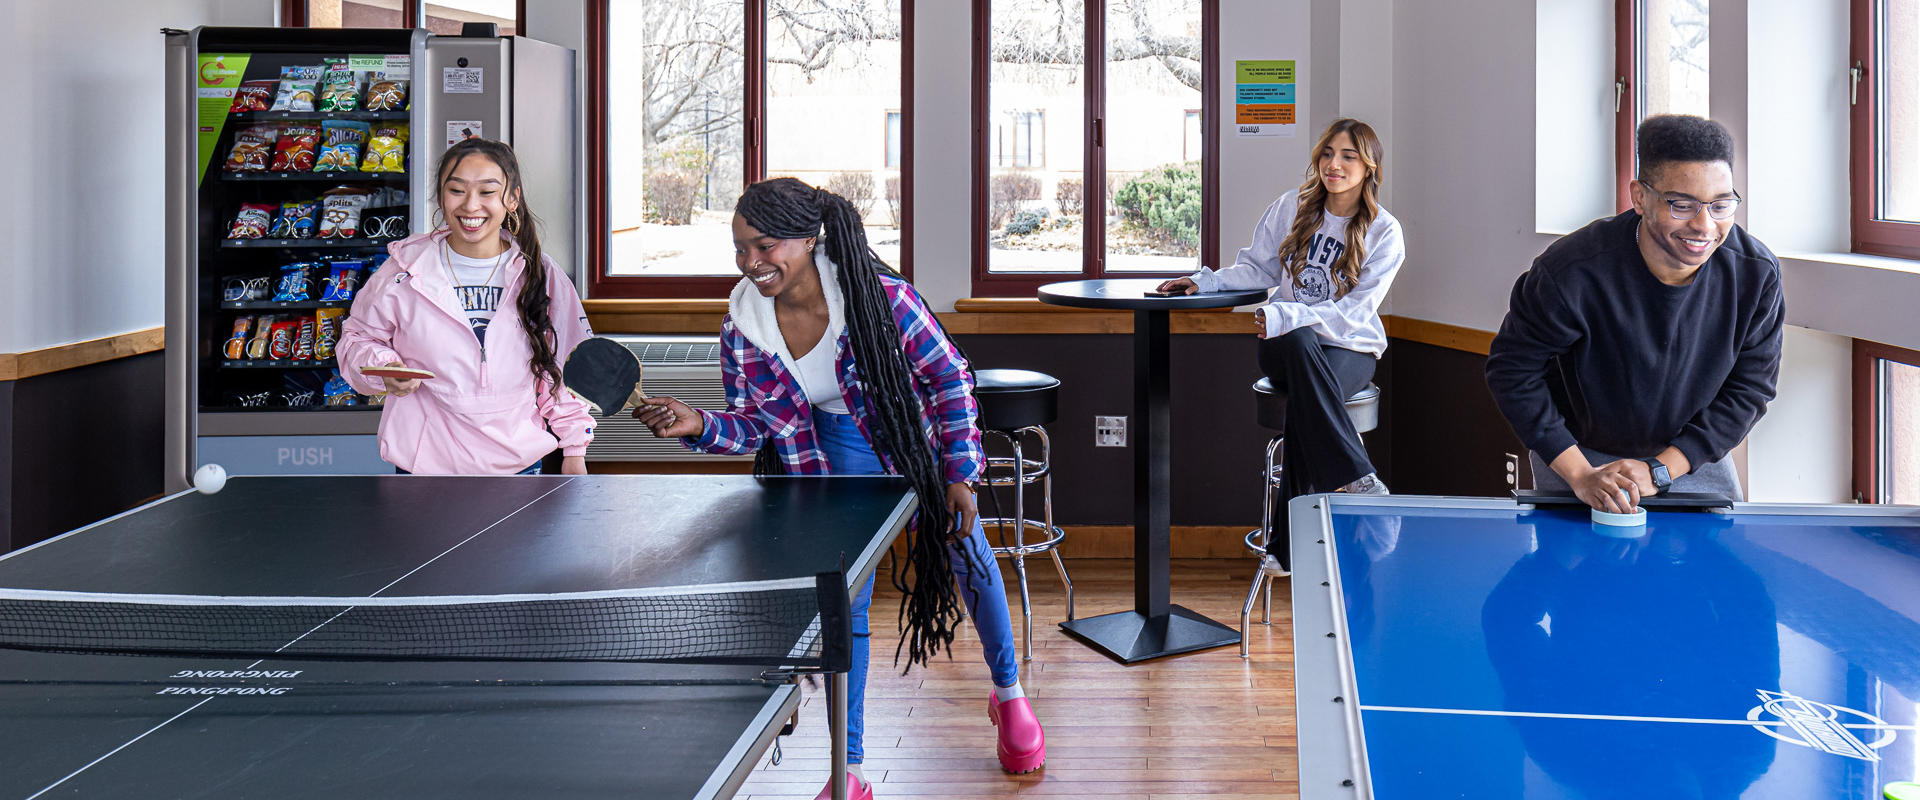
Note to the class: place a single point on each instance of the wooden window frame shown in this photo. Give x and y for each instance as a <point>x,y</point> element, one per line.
<point>1093,193</point>
<point>1626,93</point>
<point>1867,395</point>
<point>753,109</point>
<point>1870,235</point>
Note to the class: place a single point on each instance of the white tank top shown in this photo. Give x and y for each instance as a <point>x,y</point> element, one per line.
<point>815,372</point>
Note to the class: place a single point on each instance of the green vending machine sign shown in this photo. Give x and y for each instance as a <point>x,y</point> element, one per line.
<point>215,81</point>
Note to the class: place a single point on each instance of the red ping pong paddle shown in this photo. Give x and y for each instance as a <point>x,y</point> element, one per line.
<point>604,373</point>
<point>396,372</point>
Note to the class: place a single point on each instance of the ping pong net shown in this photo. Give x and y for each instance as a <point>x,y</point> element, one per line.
<point>800,624</point>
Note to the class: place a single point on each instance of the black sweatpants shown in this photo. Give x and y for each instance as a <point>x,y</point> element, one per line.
<point>1322,452</point>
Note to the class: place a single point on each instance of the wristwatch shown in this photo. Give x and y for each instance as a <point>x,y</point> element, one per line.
<point>1661,477</point>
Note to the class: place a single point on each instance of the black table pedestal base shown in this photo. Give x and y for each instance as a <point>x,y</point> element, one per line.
<point>1129,636</point>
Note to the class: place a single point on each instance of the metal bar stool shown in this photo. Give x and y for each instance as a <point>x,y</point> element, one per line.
<point>1270,411</point>
<point>1014,405</point>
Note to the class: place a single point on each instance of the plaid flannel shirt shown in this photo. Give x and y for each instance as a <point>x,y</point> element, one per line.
<point>765,401</point>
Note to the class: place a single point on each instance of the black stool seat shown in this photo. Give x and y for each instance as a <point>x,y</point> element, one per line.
<point>1011,399</point>
<point>1270,407</point>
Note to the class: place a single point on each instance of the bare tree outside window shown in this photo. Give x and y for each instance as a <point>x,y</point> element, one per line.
<point>1036,189</point>
<point>1153,77</point>
<point>833,79</point>
<point>676,76</point>
<point>1673,57</point>
<point>676,72</point>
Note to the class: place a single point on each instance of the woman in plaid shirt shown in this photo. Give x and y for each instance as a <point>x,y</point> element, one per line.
<point>835,365</point>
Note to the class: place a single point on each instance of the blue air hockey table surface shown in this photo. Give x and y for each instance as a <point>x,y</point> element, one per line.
<point>1456,647</point>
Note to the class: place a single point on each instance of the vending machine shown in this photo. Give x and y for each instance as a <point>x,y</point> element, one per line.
<point>295,156</point>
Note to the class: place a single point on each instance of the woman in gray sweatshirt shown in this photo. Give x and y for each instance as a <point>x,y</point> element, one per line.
<point>1329,252</point>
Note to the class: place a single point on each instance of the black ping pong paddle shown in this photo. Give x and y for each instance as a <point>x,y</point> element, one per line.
<point>604,373</point>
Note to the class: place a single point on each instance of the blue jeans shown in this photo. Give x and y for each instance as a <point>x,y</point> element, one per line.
<point>984,594</point>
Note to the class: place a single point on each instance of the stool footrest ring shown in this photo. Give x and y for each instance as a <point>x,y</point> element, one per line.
<point>1054,536</point>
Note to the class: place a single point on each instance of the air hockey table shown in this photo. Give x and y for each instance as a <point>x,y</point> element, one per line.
<point>1471,647</point>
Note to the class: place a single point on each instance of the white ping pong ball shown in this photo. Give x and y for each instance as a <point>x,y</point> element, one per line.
<point>209,478</point>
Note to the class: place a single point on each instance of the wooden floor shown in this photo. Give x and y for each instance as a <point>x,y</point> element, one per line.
<point>1201,725</point>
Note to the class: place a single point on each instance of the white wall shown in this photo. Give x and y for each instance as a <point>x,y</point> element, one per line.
<point>1792,455</point>
<point>1573,122</point>
<point>1463,156</point>
<point>84,220</point>
<point>1256,169</point>
<point>942,148</point>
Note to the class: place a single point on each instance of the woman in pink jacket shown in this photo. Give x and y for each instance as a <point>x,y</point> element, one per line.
<point>495,405</point>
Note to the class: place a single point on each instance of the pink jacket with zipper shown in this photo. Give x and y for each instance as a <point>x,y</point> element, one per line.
<point>482,412</point>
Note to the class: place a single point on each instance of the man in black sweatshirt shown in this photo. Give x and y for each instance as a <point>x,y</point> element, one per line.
<point>1641,348</point>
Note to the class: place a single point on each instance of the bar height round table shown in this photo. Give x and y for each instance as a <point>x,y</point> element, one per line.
<point>1154,627</point>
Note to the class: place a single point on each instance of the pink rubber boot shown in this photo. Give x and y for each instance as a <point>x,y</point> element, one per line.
<point>856,789</point>
<point>1023,746</point>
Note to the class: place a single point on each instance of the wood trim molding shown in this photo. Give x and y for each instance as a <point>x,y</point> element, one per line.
<point>664,306</point>
<point>1439,334</point>
<point>1009,315</point>
<point>1116,541</point>
<point>655,316</point>
<point>15,366</point>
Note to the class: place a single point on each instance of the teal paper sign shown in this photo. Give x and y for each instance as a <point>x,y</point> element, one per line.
<point>1263,93</point>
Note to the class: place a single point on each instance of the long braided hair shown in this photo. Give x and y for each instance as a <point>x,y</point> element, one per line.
<point>785,208</point>
<point>533,302</point>
<point>1313,204</point>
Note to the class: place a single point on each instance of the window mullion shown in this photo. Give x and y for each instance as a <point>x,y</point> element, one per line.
<point>1093,184</point>
<point>754,101</point>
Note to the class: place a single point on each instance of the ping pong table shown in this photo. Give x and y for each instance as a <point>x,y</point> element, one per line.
<point>122,726</point>
<point>1455,647</point>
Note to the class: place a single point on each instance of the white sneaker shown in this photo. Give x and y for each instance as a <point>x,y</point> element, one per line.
<point>1366,484</point>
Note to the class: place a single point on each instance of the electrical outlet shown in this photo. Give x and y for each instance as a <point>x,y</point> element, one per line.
<point>1109,431</point>
<point>1513,470</point>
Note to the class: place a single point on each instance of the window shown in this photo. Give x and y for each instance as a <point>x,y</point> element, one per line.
<point>893,140</point>
<point>1886,423</point>
<point>1886,127</point>
<point>1663,48</point>
<point>1088,168</point>
<point>348,13</point>
<point>703,97</point>
<point>442,18</point>
<point>1191,142</point>
<point>1019,139</point>
<point>445,18</point>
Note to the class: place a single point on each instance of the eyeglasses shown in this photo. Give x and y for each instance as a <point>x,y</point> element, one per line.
<point>1686,208</point>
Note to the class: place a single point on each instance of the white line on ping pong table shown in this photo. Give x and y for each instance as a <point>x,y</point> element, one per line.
<point>110,753</point>
<point>396,581</point>
<point>1476,712</point>
<point>423,565</point>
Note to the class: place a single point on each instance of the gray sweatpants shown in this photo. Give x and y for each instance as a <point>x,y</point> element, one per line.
<point>1717,477</point>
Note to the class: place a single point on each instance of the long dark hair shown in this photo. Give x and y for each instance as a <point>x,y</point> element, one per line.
<point>535,305</point>
<point>785,208</point>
